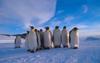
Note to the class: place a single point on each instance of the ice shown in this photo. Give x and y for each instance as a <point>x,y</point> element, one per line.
<point>88,52</point>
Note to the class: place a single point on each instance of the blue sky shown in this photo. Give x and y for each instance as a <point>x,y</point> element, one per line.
<point>17,15</point>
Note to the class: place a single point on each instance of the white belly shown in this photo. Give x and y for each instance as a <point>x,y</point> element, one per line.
<point>57,38</point>
<point>65,39</point>
<point>32,40</point>
<point>47,39</point>
<point>74,39</point>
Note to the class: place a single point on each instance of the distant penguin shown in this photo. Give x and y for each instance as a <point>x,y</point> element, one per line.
<point>74,38</point>
<point>27,41</point>
<point>17,42</point>
<point>38,39</point>
<point>65,37</point>
<point>32,38</point>
<point>57,37</point>
<point>47,39</point>
<point>41,38</point>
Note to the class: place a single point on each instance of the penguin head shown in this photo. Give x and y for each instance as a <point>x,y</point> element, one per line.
<point>56,27</point>
<point>31,27</point>
<point>47,28</point>
<point>41,30</point>
<point>64,27</point>
<point>36,30</point>
<point>75,28</point>
<point>27,32</point>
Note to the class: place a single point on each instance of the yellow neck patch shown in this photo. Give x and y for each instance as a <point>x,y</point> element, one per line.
<point>48,30</point>
<point>56,29</point>
<point>33,30</point>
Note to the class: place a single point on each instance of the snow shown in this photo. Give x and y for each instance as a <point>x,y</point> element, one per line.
<point>88,52</point>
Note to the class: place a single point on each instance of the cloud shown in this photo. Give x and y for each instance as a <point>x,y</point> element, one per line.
<point>59,11</point>
<point>85,8</point>
<point>30,10</point>
<point>88,30</point>
<point>55,23</point>
<point>81,26</point>
<point>69,18</point>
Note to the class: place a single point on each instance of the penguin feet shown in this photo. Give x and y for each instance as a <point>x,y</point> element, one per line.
<point>42,48</point>
<point>32,51</point>
<point>57,46</point>
<point>66,46</point>
<point>38,49</point>
<point>15,47</point>
<point>47,47</point>
<point>75,48</point>
<point>28,50</point>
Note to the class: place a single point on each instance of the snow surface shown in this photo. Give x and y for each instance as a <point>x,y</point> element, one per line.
<point>89,52</point>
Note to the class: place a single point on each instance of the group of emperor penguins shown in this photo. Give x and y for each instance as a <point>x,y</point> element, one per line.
<point>38,39</point>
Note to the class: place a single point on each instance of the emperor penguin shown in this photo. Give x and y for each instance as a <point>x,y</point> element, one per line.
<point>65,37</point>
<point>32,38</point>
<point>27,41</point>
<point>17,42</point>
<point>38,39</point>
<point>74,38</point>
<point>57,37</point>
<point>47,38</point>
<point>41,38</point>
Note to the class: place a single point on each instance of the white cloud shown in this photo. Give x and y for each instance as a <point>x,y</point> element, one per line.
<point>42,10</point>
<point>60,11</point>
<point>81,26</point>
<point>69,18</point>
<point>55,23</point>
<point>85,8</point>
<point>88,30</point>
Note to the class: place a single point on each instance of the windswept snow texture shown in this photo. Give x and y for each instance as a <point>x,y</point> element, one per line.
<point>89,52</point>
